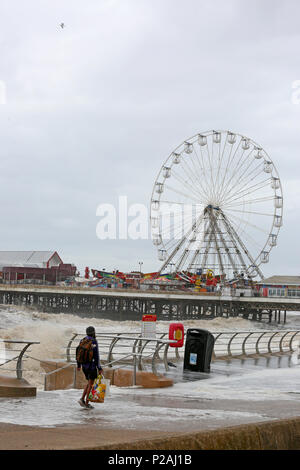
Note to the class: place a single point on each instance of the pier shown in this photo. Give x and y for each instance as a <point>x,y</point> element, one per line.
<point>128,304</point>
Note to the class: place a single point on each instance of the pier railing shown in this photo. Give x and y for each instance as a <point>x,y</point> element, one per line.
<point>12,353</point>
<point>223,292</point>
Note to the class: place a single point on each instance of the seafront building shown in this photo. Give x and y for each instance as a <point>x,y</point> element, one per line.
<point>39,267</point>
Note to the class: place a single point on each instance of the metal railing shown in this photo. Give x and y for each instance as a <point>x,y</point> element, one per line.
<point>134,356</point>
<point>132,348</point>
<point>8,356</point>
<point>258,342</point>
<point>117,349</point>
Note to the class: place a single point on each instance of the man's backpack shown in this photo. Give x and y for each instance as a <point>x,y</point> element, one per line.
<point>84,351</point>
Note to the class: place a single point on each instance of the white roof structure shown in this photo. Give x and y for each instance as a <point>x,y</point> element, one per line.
<point>282,280</point>
<point>33,259</point>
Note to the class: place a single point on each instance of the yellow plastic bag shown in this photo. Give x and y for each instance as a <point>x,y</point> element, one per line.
<point>97,394</point>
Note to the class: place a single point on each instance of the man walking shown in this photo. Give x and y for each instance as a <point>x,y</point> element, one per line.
<point>87,357</point>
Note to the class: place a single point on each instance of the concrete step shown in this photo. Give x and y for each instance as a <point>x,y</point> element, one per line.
<point>13,387</point>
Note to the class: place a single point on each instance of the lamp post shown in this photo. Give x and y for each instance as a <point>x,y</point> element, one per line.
<point>139,282</point>
<point>141,263</point>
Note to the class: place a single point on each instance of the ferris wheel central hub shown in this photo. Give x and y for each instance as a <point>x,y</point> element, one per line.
<point>210,206</point>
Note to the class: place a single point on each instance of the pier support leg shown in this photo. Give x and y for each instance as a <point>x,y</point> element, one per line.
<point>270,315</point>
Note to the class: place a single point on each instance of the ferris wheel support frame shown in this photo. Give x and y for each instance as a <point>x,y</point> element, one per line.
<point>247,253</point>
<point>226,248</point>
<point>198,249</point>
<point>213,223</point>
<point>181,242</point>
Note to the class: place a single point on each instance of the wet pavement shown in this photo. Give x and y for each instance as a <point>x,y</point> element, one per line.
<point>235,392</point>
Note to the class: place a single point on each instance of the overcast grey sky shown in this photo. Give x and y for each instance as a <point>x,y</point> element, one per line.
<point>92,110</point>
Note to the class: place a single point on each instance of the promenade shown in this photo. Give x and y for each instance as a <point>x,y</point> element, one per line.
<point>241,404</point>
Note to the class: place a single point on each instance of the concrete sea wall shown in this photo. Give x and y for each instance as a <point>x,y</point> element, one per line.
<point>271,435</point>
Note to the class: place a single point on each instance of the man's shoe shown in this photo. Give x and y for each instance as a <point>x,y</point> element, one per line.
<point>81,403</point>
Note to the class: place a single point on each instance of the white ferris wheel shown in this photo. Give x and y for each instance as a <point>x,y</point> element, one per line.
<point>216,205</point>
